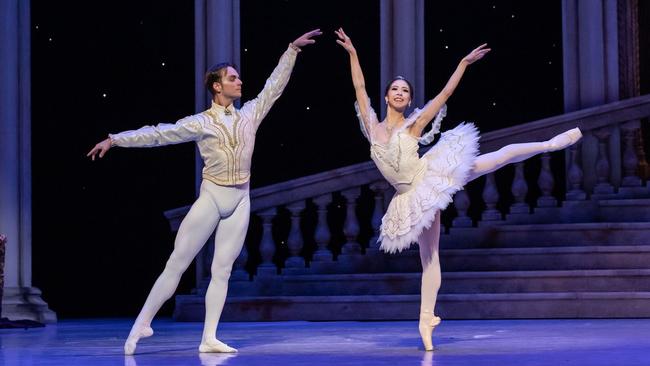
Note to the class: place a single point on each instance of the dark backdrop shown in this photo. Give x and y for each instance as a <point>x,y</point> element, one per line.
<point>99,235</point>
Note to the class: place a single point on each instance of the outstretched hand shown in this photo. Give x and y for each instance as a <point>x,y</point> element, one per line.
<point>100,149</point>
<point>477,54</point>
<point>344,40</point>
<point>306,38</point>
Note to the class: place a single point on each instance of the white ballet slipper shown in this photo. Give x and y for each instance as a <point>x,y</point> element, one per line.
<point>135,335</point>
<point>215,346</point>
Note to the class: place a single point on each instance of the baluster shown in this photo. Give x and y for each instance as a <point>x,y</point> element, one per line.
<point>491,198</point>
<point>202,266</point>
<point>267,245</point>
<point>379,188</point>
<point>239,270</point>
<point>630,159</point>
<point>546,182</point>
<point>351,225</point>
<point>461,202</point>
<point>294,241</point>
<point>603,186</point>
<point>574,175</point>
<point>322,234</point>
<point>519,190</point>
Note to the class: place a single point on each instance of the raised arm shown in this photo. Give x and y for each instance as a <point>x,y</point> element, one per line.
<point>258,108</point>
<point>357,77</point>
<point>433,106</point>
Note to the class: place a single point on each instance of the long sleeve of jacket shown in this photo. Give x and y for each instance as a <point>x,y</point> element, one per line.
<point>256,109</point>
<point>186,129</point>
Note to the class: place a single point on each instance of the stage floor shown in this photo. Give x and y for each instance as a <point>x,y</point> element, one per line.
<point>98,342</point>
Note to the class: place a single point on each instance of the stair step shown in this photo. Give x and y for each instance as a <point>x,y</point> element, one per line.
<point>625,210</point>
<point>450,306</point>
<point>547,258</point>
<point>546,235</point>
<point>452,282</point>
<point>492,259</point>
<point>569,270</point>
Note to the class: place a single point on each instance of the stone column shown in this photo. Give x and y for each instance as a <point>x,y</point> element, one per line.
<point>629,61</point>
<point>216,39</point>
<point>402,46</point>
<point>20,300</point>
<point>599,67</point>
<point>590,49</point>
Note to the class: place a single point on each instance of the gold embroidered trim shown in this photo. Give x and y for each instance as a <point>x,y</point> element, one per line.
<point>242,148</point>
<point>226,182</point>
<point>232,139</point>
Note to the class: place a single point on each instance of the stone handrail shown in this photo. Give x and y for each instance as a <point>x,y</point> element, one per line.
<point>587,119</point>
<point>299,189</point>
<point>609,162</point>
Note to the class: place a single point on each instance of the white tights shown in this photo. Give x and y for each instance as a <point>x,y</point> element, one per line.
<point>484,164</point>
<point>228,210</point>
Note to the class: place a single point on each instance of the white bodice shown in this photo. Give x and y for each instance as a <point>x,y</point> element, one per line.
<point>398,160</point>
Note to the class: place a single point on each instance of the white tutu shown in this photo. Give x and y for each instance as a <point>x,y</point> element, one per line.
<point>448,165</point>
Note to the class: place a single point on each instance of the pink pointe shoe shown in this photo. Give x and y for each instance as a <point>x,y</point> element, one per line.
<point>564,139</point>
<point>428,322</point>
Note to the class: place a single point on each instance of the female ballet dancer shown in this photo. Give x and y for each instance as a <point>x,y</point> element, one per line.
<point>425,186</point>
<point>225,137</point>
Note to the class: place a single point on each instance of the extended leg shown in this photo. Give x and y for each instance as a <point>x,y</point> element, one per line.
<point>195,229</point>
<point>229,240</point>
<point>429,242</point>
<point>515,153</point>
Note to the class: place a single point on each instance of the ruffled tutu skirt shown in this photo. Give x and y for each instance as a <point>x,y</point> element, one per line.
<point>448,166</point>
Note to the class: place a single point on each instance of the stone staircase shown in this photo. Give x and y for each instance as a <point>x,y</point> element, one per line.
<point>561,279</point>
<point>581,253</point>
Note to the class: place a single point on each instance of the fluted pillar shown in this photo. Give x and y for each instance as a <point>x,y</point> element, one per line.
<point>402,45</point>
<point>216,39</point>
<point>20,300</point>
<point>599,65</point>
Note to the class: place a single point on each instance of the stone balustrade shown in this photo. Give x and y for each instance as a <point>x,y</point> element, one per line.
<point>336,215</point>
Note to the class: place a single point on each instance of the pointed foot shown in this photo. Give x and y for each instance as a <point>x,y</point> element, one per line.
<point>565,139</point>
<point>215,346</point>
<point>428,322</point>
<point>132,341</point>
